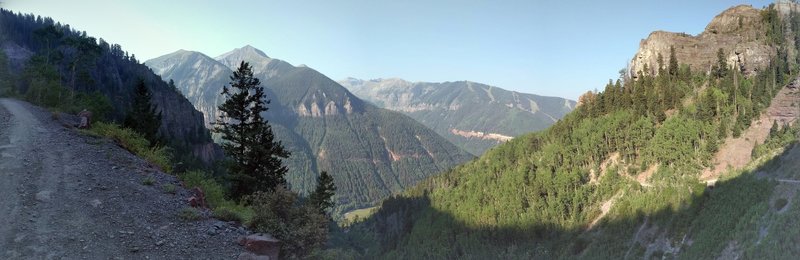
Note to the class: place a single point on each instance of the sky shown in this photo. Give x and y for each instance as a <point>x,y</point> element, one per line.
<point>553,48</point>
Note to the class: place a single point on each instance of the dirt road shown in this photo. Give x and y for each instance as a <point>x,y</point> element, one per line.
<point>64,195</point>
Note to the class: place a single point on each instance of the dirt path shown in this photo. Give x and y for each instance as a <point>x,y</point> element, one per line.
<point>736,152</point>
<point>70,196</point>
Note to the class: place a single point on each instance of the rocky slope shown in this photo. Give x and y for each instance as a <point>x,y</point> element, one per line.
<point>471,115</point>
<point>370,152</point>
<point>67,195</point>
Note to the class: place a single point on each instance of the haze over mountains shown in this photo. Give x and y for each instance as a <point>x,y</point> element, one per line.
<point>472,115</point>
<point>371,152</point>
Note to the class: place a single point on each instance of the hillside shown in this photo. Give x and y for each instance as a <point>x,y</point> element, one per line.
<point>68,195</point>
<point>471,115</point>
<point>371,152</point>
<point>619,177</point>
<point>61,68</point>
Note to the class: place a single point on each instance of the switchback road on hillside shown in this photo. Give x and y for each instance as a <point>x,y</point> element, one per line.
<point>66,195</point>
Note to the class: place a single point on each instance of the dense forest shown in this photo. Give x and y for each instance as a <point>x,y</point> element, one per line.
<point>56,66</point>
<point>538,196</point>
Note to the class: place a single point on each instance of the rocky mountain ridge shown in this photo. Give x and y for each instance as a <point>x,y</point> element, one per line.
<point>370,152</point>
<point>471,115</point>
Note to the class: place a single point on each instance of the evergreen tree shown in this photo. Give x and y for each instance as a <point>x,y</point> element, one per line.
<point>722,64</point>
<point>673,62</point>
<point>322,197</point>
<point>142,117</point>
<point>249,142</point>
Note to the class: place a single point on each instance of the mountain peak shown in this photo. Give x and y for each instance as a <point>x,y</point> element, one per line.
<point>244,51</point>
<point>256,58</point>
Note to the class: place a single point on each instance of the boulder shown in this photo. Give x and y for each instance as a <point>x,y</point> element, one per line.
<point>261,245</point>
<point>251,256</point>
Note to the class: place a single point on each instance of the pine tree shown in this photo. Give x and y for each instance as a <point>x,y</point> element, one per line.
<point>248,139</point>
<point>322,197</point>
<point>673,62</point>
<point>142,117</point>
<point>722,64</point>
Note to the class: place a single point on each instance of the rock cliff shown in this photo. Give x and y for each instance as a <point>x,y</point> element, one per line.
<point>739,31</point>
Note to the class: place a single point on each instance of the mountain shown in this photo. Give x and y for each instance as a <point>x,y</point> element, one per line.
<point>371,152</point>
<point>46,57</point>
<point>622,176</point>
<point>471,115</point>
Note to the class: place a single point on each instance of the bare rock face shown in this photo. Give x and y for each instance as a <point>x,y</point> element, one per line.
<point>737,30</point>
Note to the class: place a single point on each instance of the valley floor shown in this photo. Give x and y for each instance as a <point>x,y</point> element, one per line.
<point>66,195</point>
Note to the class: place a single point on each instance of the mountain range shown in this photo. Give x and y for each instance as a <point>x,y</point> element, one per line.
<point>692,155</point>
<point>472,115</point>
<point>371,152</point>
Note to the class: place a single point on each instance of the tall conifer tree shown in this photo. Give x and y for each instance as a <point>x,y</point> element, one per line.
<point>143,117</point>
<point>249,142</point>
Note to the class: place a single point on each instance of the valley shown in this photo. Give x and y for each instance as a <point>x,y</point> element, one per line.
<point>688,152</point>
<point>371,152</point>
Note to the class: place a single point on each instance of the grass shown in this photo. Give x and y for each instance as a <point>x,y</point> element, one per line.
<point>134,142</point>
<point>169,188</point>
<point>222,208</point>
<point>149,181</point>
<point>190,214</point>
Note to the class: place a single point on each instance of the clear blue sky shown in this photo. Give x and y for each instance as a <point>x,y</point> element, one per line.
<point>558,48</point>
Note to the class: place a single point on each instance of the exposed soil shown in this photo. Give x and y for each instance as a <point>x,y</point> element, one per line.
<point>66,195</point>
<point>736,152</point>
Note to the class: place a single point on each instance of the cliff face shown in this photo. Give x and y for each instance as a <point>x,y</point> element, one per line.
<point>737,30</point>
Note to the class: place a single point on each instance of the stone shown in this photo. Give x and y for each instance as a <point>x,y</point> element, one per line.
<point>251,256</point>
<point>43,196</point>
<point>261,244</point>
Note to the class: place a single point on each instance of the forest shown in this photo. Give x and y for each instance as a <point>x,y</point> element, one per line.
<point>537,195</point>
<point>58,67</point>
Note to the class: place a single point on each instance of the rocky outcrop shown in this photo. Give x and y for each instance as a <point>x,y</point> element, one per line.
<point>738,31</point>
<point>481,135</point>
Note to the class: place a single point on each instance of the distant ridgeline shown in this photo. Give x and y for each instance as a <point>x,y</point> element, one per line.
<point>371,152</point>
<point>472,115</point>
<point>57,66</point>
<point>620,177</point>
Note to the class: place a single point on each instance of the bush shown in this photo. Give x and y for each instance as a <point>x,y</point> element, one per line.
<point>214,192</point>
<point>135,143</point>
<point>224,209</point>
<point>301,227</point>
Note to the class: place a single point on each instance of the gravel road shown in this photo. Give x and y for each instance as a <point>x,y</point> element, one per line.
<point>66,195</point>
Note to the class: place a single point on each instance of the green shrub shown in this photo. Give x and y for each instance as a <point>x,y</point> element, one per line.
<point>223,208</point>
<point>214,192</point>
<point>136,143</point>
<point>190,214</point>
<point>301,228</point>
